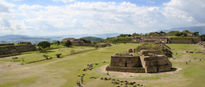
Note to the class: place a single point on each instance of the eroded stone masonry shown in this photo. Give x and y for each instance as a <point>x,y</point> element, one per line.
<point>16,48</point>
<point>146,62</point>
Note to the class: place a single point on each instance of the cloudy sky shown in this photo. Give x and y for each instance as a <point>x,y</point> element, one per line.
<point>74,17</point>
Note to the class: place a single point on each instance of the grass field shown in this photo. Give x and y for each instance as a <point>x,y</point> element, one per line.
<point>64,72</point>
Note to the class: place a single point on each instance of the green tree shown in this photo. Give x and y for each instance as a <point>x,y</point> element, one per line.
<point>44,44</point>
<point>86,41</point>
<point>202,37</point>
<point>196,33</point>
<point>67,43</point>
<point>56,42</point>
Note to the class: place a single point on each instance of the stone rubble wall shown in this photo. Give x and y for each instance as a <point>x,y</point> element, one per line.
<point>158,63</point>
<point>10,49</point>
<point>202,43</point>
<point>182,41</point>
<point>148,53</point>
<point>131,61</point>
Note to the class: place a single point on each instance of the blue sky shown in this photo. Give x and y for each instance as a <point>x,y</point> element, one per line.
<point>75,17</point>
<point>51,2</point>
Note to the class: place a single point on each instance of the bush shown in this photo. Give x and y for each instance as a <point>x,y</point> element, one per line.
<point>58,55</point>
<point>202,37</point>
<point>46,56</point>
<point>44,44</point>
<point>86,41</point>
<point>56,42</point>
<point>67,43</point>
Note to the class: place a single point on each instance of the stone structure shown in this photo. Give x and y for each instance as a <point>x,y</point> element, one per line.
<point>163,39</point>
<point>192,40</point>
<point>149,62</point>
<point>202,43</point>
<point>77,42</point>
<point>149,39</point>
<point>152,62</point>
<point>18,48</point>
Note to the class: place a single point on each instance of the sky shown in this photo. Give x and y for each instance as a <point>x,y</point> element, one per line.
<point>76,17</point>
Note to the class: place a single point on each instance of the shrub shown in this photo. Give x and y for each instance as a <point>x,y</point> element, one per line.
<point>202,37</point>
<point>58,55</point>
<point>45,56</point>
<point>44,44</point>
<point>67,43</point>
<point>56,42</point>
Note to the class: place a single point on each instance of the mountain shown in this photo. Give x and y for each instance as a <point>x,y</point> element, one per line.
<point>200,29</point>
<point>36,39</point>
<point>92,35</point>
<point>21,38</point>
<point>93,39</point>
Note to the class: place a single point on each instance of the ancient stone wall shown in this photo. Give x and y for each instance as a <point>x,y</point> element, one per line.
<point>157,63</point>
<point>182,41</point>
<point>202,43</point>
<point>10,49</point>
<point>125,61</point>
<point>6,44</point>
<point>153,39</point>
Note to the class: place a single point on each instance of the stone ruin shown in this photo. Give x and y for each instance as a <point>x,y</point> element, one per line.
<point>163,39</point>
<point>16,48</point>
<point>147,62</point>
<point>202,43</point>
<point>77,42</point>
<point>152,61</point>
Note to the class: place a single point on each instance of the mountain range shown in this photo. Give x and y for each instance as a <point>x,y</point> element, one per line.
<point>200,29</point>
<point>95,37</point>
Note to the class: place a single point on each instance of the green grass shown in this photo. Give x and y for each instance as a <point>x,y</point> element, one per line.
<point>64,72</point>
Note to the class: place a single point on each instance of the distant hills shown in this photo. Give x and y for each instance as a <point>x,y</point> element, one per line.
<point>94,37</point>
<point>200,29</point>
<point>34,39</point>
<point>21,38</point>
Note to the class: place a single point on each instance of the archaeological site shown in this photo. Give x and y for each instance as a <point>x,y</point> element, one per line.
<point>141,60</point>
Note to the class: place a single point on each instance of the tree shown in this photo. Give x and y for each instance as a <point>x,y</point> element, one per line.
<point>202,37</point>
<point>67,43</point>
<point>86,41</point>
<point>196,33</point>
<point>56,42</point>
<point>44,44</point>
<point>179,34</point>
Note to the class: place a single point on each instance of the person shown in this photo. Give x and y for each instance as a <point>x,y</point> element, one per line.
<point>81,78</point>
<point>78,83</point>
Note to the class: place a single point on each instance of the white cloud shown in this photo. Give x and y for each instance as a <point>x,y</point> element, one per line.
<point>99,17</point>
<point>64,1</point>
